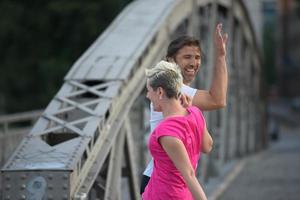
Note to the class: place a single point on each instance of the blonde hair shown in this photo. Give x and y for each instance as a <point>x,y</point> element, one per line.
<point>167,76</point>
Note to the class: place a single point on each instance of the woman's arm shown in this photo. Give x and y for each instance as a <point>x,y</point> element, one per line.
<point>177,153</point>
<point>207,141</point>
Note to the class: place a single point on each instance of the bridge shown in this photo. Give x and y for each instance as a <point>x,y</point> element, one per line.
<point>90,141</point>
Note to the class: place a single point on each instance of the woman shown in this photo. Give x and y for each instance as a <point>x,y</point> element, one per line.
<point>177,141</point>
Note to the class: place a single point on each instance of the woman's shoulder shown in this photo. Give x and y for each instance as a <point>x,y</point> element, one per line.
<point>172,121</point>
<point>197,114</point>
<point>172,124</point>
<point>194,109</point>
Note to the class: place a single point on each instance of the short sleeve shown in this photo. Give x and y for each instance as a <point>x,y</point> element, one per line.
<point>188,90</point>
<point>202,119</point>
<point>170,127</point>
<point>199,117</point>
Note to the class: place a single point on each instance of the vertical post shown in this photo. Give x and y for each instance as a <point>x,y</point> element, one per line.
<point>136,114</point>
<point>130,154</point>
<point>223,150</point>
<point>232,97</point>
<point>113,184</point>
<point>5,127</point>
<point>202,78</point>
<point>237,89</point>
<point>242,95</point>
<point>211,118</point>
<point>193,21</point>
<point>247,97</point>
<point>228,118</point>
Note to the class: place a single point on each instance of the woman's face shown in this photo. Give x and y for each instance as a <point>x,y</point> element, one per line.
<point>153,96</point>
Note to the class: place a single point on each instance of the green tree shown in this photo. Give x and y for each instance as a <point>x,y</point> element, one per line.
<point>39,42</point>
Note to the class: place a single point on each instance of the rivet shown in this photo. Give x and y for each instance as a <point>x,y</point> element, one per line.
<point>7,197</point>
<point>24,176</point>
<point>23,186</point>
<point>50,187</point>
<point>7,187</point>
<point>50,176</point>
<point>65,176</point>
<point>23,197</point>
<point>65,187</point>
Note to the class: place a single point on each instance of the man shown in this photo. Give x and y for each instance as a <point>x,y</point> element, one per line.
<point>185,51</point>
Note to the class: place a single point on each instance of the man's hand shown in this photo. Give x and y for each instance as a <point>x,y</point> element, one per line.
<point>185,100</point>
<point>220,41</point>
<point>215,97</point>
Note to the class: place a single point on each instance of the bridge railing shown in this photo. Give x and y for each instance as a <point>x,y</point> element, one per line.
<point>90,138</point>
<point>13,128</point>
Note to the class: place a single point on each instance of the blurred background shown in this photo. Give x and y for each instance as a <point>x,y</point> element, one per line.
<point>40,41</point>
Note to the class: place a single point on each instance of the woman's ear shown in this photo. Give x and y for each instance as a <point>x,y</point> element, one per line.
<point>160,92</point>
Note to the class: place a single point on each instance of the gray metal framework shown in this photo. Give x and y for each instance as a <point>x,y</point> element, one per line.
<point>83,146</point>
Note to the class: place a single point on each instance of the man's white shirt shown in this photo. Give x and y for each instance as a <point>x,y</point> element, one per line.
<point>156,117</point>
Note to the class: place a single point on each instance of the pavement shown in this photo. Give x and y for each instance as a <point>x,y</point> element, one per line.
<point>271,174</point>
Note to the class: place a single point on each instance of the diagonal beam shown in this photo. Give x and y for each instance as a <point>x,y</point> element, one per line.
<point>77,105</point>
<point>89,89</point>
<point>72,107</point>
<point>63,123</point>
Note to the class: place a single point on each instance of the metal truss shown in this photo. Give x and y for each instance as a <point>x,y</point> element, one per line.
<point>82,146</point>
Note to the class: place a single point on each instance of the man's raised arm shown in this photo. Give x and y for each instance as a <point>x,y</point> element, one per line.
<point>215,97</point>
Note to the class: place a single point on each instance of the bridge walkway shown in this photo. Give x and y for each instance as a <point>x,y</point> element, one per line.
<point>271,174</point>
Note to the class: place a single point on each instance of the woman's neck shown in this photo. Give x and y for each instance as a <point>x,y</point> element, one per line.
<point>173,107</point>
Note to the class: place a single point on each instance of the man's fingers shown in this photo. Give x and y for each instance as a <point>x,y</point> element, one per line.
<point>225,39</point>
<point>218,34</point>
<point>219,26</point>
<point>182,99</point>
<point>185,100</point>
<point>188,98</point>
<point>218,30</point>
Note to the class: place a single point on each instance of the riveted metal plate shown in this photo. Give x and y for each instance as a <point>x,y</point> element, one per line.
<point>36,185</point>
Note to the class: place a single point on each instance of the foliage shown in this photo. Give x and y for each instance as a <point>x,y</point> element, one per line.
<point>39,41</point>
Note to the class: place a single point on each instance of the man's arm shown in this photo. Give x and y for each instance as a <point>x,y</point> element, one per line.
<point>215,97</point>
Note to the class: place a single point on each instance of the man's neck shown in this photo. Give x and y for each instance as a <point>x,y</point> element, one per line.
<point>187,83</point>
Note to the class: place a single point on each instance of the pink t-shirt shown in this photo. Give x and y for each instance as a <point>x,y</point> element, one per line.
<point>166,181</point>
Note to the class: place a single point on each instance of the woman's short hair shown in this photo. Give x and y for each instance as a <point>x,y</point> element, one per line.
<point>167,76</point>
